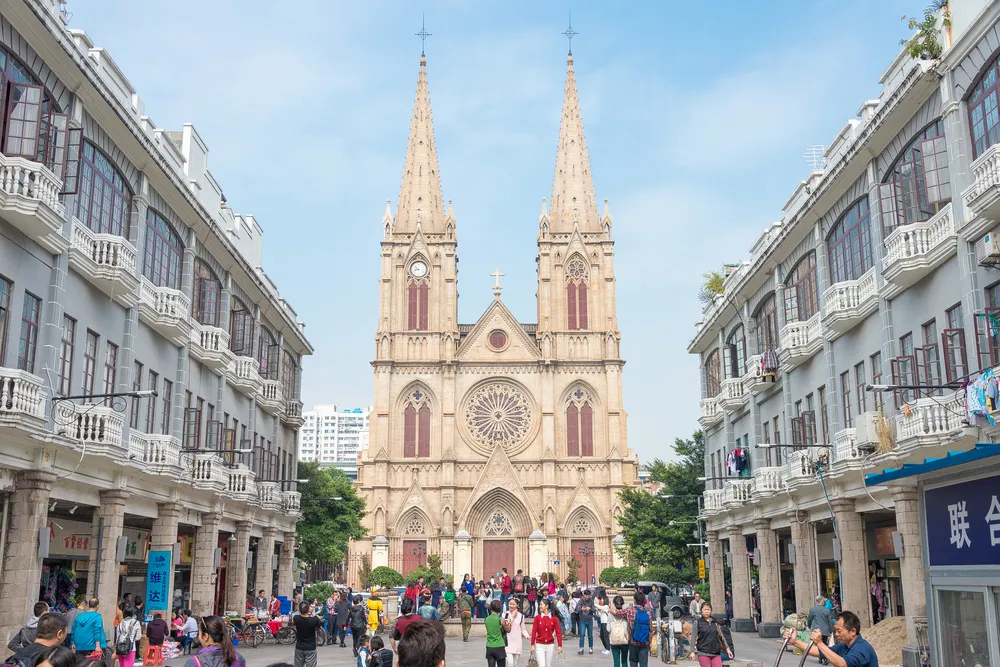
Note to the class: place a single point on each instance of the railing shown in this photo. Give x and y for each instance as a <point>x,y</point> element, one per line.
<point>245,369</point>
<point>290,501</point>
<point>985,175</point>
<point>801,469</point>
<point>798,335</point>
<point>98,426</point>
<point>930,420</point>
<point>167,303</point>
<point>153,449</point>
<point>711,411</point>
<point>293,410</point>
<point>269,495</point>
<point>241,483</point>
<point>917,240</point>
<point>271,398</point>
<point>208,472</point>
<point>21,393</point>
<point>108,251</point>
<point>769,480</point>
<point>713,500</point>
<point>212,340</point>
<point>20,177</point>
<point>733,393</point>
<point>738,493</point>
<point>849,294</point>
<point>845,446</point>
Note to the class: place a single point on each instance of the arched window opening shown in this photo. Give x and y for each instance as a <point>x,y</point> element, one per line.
<point>579,424</point>
<point>577,273</point>
<point>268,354</point>
<point>713,374</point>
<point>103,200</point>
<point>164,250</point>
<point>417,426</point>
<point>206,293</point>
<point>801,292</point>
<point>984,116</point>
<point>918,184</point>
<point>417,292</point>
<point>290,376</point>
<point>736,353</point>
<point>850,243</point>
<point>767,325</point>
<point>241,328</point>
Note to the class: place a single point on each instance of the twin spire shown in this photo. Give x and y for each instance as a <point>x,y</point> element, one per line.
<point>421,199</point>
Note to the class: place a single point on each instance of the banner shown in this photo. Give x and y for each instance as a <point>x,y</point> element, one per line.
<point>158,581</point>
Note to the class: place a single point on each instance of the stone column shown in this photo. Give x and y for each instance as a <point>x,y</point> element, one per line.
<point>163,538</point>
<point>285,583</point>
<point>854,595</point>
<point>618,551</point>
<point>22,568</point>
<point>265,561</point>
<point>770,578</point>
<point>716,571</point>
<point>236,569</point>
<point>912,562</point>
<point>203,567</point>
<point>380,551</point>
<point>741,581</point>
<point>806,567</point>
<point>538,553</point>
<point>462,553</point>
<point>109,523</point>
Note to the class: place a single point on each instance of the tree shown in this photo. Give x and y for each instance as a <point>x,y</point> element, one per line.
<point>365,571</point>
<point>573,568</point>
<point>712,286</point>
<point>384,577</point>
<point>331,514</point>
<point>650,540</point>
<point>318,591</point>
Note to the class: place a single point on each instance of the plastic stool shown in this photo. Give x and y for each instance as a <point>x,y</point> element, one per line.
<point>153,657</point>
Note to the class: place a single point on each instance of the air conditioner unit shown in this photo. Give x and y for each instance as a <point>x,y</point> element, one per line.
<point>990,255</point>
<point>865,428</point>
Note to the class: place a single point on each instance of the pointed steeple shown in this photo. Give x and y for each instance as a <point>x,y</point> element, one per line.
<point>573,201</point>
<point>420,197</point>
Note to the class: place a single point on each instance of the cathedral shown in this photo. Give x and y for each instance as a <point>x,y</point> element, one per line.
<point>498,444</point>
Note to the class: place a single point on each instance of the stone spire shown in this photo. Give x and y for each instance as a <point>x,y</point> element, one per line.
<point>573,201</point>
<point>420,198</point>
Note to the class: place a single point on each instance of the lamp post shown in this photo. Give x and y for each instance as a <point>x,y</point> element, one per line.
<point>419,551</point>
<point>697,522</point>
<point>585,551</point>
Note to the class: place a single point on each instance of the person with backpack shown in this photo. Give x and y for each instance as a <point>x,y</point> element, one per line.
<point>707,639</point>
<point>359,622</point>
<point>518,588</point>
<point>380,656</point>
<point>531,593</point>
<point>639,616</point>
<point>128,633</point>
<point>26,635</point>
<point>217,646</point>
<point>618,632</point>
<point>50,630</point>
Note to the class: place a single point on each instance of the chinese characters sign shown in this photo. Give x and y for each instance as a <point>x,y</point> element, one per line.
<point>963,523</point>
<point>74,539</point>
<point>158,580</point>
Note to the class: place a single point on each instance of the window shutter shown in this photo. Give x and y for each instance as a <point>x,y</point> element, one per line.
<point>894,367</point>
<point>23,122</point>
<point>422,292</point>
<point>71,161</point>
<point>937,185</point>
<point>587,430</point>
<point>572,430</point>
<point>889,207</point>
<point>409,432</point>
<point>581,303</point>
<point>424,432</point>
<point>727,359</point>
<point>956,363</point>
<point>411,306</point>
<point>571,306</point>
<point>922,372</point>
<point>798,437</point>
<point>213,434</point>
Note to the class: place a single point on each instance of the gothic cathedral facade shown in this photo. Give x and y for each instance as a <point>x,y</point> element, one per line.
<point>500,443</point>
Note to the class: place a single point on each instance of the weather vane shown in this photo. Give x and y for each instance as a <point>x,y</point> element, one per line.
<point>423,35</point>
<point>570,33</point>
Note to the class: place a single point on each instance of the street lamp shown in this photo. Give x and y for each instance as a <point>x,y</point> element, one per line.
<point>419,551</point>
<point>697,521</point>
<point>585,551</point>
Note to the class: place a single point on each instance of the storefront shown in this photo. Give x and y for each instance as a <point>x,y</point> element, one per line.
<point>132,577</point>
<point>884,583</point>
<point>64,570</point>
<point>829,568</point>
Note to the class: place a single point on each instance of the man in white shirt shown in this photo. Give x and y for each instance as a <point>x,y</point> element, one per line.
<point>695,606</point>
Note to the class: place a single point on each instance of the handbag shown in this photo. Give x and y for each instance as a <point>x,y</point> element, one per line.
<point>532,660</point>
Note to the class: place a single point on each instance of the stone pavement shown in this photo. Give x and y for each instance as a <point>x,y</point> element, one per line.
<point>749,647</point>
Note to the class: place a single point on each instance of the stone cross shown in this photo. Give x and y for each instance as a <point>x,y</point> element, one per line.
<point>497,275</point>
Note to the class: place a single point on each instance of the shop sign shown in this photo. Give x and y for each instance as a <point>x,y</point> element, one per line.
<point>187,548</point>
<point>963,523</point>
<point>883,541</point>
<point>138,541</point>
<point>158,580</point>
<point>69,538</point>
<point>892,568</point>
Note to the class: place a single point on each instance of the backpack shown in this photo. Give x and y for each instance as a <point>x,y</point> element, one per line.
<point>640,627</point>
<point>123,639</point>
<point>518,584</point>
<point>358,616</point>
<point>619,632</point>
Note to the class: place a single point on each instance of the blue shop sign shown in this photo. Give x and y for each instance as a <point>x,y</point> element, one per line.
<point>158,580</point>
<point>963,523</point>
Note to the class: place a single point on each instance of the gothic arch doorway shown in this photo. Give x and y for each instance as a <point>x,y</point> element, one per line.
<point>499,524</point>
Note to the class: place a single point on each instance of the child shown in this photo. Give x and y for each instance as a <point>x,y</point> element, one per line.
<point>381,656</point>
<point>363,651</point>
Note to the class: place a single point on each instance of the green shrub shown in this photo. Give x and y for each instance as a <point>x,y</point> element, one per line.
<point>704,590</point>
<point>385,577</point>
<point>319,591</point>
<point>610,576</point>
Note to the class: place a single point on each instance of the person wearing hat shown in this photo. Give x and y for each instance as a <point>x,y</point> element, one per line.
<point>819,618</point>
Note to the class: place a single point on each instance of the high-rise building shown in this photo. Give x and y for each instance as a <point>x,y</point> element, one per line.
<point>334,437</point>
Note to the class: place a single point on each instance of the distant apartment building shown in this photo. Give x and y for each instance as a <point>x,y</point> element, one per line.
<point>334,437</point>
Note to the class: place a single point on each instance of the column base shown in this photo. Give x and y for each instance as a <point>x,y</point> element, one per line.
<point>911,656</point>
<point>743,625</point>
<point>769,630</point>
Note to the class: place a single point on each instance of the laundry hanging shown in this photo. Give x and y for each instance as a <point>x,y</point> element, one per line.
<point>737,461</point>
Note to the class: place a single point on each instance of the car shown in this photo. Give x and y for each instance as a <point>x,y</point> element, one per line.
<point>671,605</point>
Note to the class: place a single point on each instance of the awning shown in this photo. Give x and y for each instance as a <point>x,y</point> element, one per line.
<point>980,451</point>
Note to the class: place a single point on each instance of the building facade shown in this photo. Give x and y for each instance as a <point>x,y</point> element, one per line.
<point>334,437</point>
<point>496,444</point>
<point>123,270</point>
<point>876,274</point>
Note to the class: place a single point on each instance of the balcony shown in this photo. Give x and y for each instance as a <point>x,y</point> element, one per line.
<point>711,412</point>
<point>107,261</point>
<point>159,454</point>
<point>290,501</point>
<point>29,200</point>
<point>210,346</point>
<point>846,453</point>
<point>293,413</point>
<point>737,494</point>
<point>800,341</point>
<point>756,381</point>
<point>269,495</point>
<point>209,473</point>
<point>22,398</point>
<point>846,304</point>
<point>913,251</point>
<point>734,395</point>
<point>713,501</point>
<point>932,421</point>
<point>242,484</point>
<point>243,374</point>
<point>166,310</point>
<point>769,481</point>
<point>271,398</point>
<point>982,198</point>
<point>97,426</point>
<point>801,470</point>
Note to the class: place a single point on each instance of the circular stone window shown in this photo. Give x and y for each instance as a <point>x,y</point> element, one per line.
<point>498,339</point>
<point>498,414</point>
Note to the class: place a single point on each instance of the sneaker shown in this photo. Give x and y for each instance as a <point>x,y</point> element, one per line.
<point>591,651</point>
<point>580,652</point>
<point>605,652</point>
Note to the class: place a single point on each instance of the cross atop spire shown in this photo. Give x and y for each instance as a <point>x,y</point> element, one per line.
<point>497,275</point>
<point>423,35</point>
<point>570,33</point>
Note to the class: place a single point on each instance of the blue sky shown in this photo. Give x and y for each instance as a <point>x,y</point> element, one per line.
<point>696,117</point>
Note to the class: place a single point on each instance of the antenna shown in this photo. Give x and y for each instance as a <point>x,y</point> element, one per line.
<point>815,158</point>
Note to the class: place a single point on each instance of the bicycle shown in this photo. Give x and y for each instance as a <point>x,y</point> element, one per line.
<point>250,632</point>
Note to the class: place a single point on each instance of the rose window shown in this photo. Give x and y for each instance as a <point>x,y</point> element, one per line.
<point>576,269</point>
<point>498,525</point>
<point>498,415</point>
<point>581,527</point>
<point>414,527</point>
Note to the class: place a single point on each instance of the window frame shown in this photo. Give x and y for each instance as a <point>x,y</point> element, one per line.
<point>6,292</point>
<point>904,200</point>
<point>163,254</point>
<point>860,382</point>
<point>66,351</point>
<point>151,382</point>
<point>766,321</point>
<point>112,200</point>
<point>207,289</point>
<point>28,342</point>
<point>90,351</point>
<point>136,386</point>
<point>985,88</point>
<point>110,368</point>
<point>845,398</point>
<point>801,295</point>
<point>850,256</point>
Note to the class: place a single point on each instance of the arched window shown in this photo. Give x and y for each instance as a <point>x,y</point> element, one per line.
<point>579,424</point>
<point>917,185</point>
<point>164,249</point>
<point>241,326</point>
<point>576,294</point>
<point>849,244</point>
<point>736,353</point>
<point>417,426</point>
<point>713,374</point>
<point>290,376</point>
<point>984,115</point>
<point>801,294</point>
<point>416,304</point>
<point>267,354</point>
<point>767,325</point>
<point>207,288</point>
<point>103,199</point>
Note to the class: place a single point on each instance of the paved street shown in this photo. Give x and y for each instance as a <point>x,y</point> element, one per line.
<point>749,647</point>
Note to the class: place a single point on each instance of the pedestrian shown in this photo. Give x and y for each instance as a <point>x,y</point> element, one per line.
<point>518,588</point>
<point>359,622</point>
<point>437,588</point>
<point>26,635</point>
<point>639,617</point>
<point>562,612</point>
<point>707,640</point>
<point>381,656</point>
<point>306,624</point>
<point>274,609</point>
<point>851,648</point>
<point>546,634</point>
<point>402,622</point>
<point>188,630</point>
<point>157,630</point>
<point>422,645</point>
<point>496,655</point>
<point>729,604</point>
<point>88,630</point>
<point>296,597</point>
<point>618,634</point>
<point>603,609</point>
<point>376,613</point>
<point>654,598</point>
<point>331,615</point>
<point>552,585</point>
<point>465,611</point>
<point>505,587</point>
<point>695,607</point>
<point>261,606</point>
<point>449,599</point>
<point>485,595</point>
<point>531,593</point>
<point>342,609</point>
<point>56,656</point>
<point>585,621</point>
<point>217,648</point>
<point>821,618</point>
<point>49,631</point>
<point>574,612</point>
<point>362,651</point>
<point>128,634</point>
<point>513,624</point>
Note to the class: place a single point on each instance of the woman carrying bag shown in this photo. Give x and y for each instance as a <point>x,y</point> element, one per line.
<point>513,624</point>
<point>707,639</point>
<point>618,634</point>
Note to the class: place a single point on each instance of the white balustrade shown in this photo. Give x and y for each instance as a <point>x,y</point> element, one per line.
<point>769,480</point>
<point>738,493</point>
<point>245,376</point>
<point>269,495</point>
<point>108,251</point>
<point>291,501</point>
<point>29,199</point>
<point>21,394</point>
<point>711,411</point>
<point>271,396</point>
<point>713,500</point>
<point>208,472</point>
<point>845,447</point>
<point>985,172</point>
<point>98,426</point>
<point>167,302</point>
<point>154,449</point>
<point>800,340</point>
<point>912,251</point>
<point>241,484</point>
<point>848,302</point>
<point>210,345</point>
<point>734,394</point>
<point>930,420</point>
<point>293,411</point>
